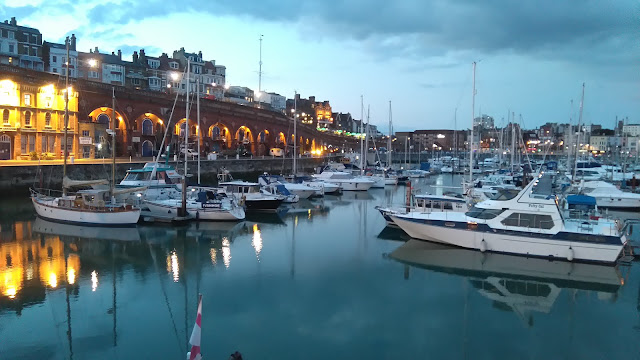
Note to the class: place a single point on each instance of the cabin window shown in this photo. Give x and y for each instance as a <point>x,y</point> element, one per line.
<point>484,214</point>
<point>532,221</point>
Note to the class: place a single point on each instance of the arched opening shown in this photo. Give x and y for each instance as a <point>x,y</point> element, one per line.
<point>147,148</point>
<point>5,116</point>
<point>104,116</point>
<point>147,127</point>
<point>244,139</point>
<point>220,137</point>
<point>103,119</point>
<point>27,119</point>
<point>313,145</point>
<point>281,141</point>
<point>5,147</point>
<point>263,142</point>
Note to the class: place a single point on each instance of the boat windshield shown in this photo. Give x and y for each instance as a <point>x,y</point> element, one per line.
<point>137,176</point>
<point>505,194</point>
<point>484,214</point>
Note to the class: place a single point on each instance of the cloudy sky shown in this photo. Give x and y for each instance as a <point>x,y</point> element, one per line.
<point>532,55</point>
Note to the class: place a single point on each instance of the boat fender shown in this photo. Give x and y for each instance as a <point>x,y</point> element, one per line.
<point>197,215</point>
<point>570,254</point>
<point>483,246</point>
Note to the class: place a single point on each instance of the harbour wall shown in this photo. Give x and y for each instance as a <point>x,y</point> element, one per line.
<point>18,179</point>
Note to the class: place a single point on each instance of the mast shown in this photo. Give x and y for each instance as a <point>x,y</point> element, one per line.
<point>295,131</point>
<point>473,111</point>
<point>186,121</point>
<point>513,143</point>
<point>113,142</point>
<point>389,139</point>
<point>366,140</point>
<point>455,137</point>
<point>575,166</point>
<point>361,131</point>
<point>66,117</point>
<point>198,115</point>
<point>260,75</point>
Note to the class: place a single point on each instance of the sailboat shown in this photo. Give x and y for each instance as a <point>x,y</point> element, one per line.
<point>94,206</point>
<point>201,203</point>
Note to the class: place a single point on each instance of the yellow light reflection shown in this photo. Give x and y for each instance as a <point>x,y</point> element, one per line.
<point>11,292</point>
<point>256,242</point>
<point>226,252</point>
<point>94,280</point>
<point>71,276</point>
<point>214,256</point>
<point>175,269</point>
<point>53,280</point>
<point>309,214</point>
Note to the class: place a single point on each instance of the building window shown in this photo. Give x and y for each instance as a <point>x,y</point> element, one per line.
<point>135,81</point>
<point>43,145</point>
<point>173,65</point>
<point>54,58</point>
<point>86,152</point>
<point>23,144</point>
<point>11,35</point>
<point>64,60</point>
<point>48,101</point>
<point>85,133</point>
<point>103,119</point>
<point>147,127</point>
<point>27,118</point>
<point>54,70</point>
<point>93,74</point>
<point>27,99</point>
<point>47,119</point>
<point>52,142</point>
<point>5,117</point>
<point>69,145</point>
<point>11,48</point>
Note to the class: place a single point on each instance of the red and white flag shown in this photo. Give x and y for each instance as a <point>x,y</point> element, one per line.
<point>194,354</point>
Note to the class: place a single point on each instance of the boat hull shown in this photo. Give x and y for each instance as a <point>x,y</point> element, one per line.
<point>169,210</point>
<point>263,205</point>
<point>458,234</point>
<point>49,211</point>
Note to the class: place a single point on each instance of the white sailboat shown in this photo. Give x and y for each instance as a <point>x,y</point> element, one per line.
<point>95,206</point>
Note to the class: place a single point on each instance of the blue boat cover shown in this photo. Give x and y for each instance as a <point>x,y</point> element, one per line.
<point>282,190</point>
<point>581,200</point>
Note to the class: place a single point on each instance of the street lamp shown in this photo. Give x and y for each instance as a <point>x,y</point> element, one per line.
<point>93,63</point>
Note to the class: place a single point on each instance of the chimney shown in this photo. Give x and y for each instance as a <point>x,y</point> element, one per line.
<point>297,97</point>
<point>119,54</point>
<point>13,21</point>
<point>142,53</point>
<point>312,99</point>
<point>72,46</point>
<point>135,57</point>
<point>200,54</point>
<point>96,50</point>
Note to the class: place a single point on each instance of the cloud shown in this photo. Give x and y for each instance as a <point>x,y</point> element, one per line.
<point>7,12</point>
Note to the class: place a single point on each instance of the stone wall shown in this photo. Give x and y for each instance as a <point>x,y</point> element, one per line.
<point>18,179</point>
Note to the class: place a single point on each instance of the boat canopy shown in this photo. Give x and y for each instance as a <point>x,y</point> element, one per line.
<point>581,200</point>
<point>68,183</point>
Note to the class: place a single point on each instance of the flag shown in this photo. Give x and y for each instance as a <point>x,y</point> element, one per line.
<point>194,354</point>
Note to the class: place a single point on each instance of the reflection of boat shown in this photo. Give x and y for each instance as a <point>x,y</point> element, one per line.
<point>215,230</point>
<point>47,227</point>
<point>473,264</point>
<point>359,195</point>
<point>393,233</point>
<point>268,217</point>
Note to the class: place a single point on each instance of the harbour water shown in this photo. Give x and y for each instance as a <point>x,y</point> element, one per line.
<point>324,280</point>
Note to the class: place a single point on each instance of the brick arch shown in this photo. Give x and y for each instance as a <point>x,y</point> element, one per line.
<point>219,140</point>
<point>140,119</point>
<point>247,134</point>
<point>263,142</point>
<point>122,137</point>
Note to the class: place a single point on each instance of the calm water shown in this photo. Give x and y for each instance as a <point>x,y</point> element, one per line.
<point>325,280</point>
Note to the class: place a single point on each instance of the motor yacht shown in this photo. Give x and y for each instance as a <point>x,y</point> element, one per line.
<point>527,222</point>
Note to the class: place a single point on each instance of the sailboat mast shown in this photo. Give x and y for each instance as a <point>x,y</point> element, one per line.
<point>361,131</point>
<point>113,141</point>
<point>66,117</point>
<point>455,135</point>
<point>186,121</point>
<point>198,115</point>
<point>389,139</point>
<point>295,132</point>
<point>575,166</point>
<point>473,111</point>
<point>366,140</point>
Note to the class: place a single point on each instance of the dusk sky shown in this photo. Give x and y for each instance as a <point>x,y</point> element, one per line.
<point>533,56</point>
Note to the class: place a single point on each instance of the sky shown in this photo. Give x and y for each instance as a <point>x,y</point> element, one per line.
<point>532,56</point>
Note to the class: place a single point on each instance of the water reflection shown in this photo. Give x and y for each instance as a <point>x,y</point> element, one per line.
<point>256,241</point>
<point>513,283</point>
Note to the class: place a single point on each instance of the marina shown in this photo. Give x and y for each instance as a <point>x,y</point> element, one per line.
<point>317,280</point>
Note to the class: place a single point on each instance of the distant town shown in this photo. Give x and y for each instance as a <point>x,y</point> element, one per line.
<point>29,120</point>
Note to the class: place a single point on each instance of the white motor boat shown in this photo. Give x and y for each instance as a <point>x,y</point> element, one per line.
<point>527,223</point>
<point>303,191</point>
<point>378,180</point>
<point>161,181</point>
<point>198,207</point>
<point>345,180</point>
<point>89,207</point>
<point>609,196</point>
<point>251,195</point>
<point>281,192</point>
<point>425,203</point>
<point>446,169</point>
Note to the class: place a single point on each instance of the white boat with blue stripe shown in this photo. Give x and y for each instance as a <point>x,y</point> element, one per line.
<point>527,222</point>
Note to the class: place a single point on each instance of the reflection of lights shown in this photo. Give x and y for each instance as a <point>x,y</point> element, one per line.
<point>94,280</point>
<point>214,256</point>
<point>295,223</point>
<point>226,252</point>
<point>71,276</point>
<point>30,272</point>
<point>309,214</point>
<point>53,280</point>
<point>11,292</point>
<point>174,266</point>
<point>257,240</point>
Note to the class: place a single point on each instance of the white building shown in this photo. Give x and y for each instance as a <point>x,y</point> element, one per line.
<point>277,102</point>
<point>239,95</point>
<point>56,58</point>
<point>631,129</point>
